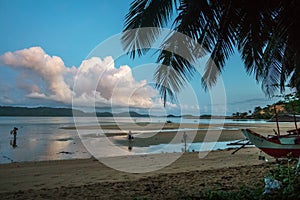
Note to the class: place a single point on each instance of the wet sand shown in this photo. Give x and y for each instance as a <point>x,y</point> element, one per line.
<point>229,132</point>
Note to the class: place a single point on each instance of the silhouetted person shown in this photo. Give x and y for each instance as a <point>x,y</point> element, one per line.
<point>13,142</point>
<point>130,137</point>
<point>130,140</point>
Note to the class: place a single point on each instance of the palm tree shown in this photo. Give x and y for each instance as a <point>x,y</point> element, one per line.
<point>266,34</point>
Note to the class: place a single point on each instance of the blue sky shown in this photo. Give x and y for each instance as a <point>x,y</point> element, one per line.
<point>64,33</point>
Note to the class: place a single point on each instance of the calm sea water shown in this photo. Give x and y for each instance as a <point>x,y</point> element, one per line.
<point>41,138</point>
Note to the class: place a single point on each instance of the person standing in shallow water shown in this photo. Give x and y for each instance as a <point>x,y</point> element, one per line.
<point>14,132</point>
<point>130,138</point>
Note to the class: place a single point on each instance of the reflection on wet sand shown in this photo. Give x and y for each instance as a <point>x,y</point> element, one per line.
<point>13,142</point>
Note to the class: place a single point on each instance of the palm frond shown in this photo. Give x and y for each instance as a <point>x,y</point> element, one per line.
<point>180,50</point>
<point>223,48</point>
<point>168,82</point>
<point>280,54</point>
<point>288,19</point>
<point>145,13</point>
<point>265,33</point>
<point>252,36</point>
<point>197,21</point>
<point>272,73</point>
<point>271,70</point>
<point>173,73</point>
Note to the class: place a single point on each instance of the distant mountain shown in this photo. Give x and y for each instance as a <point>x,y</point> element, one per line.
<point>38,111</point>
<point>123,114</point>
<point>59,112</point>
<point>173,116</point>
<point>104,114</point>
<point>131,114</point>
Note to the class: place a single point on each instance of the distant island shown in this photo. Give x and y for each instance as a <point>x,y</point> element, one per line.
<point>60,112</point>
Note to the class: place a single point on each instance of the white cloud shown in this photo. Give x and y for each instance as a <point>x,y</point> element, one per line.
<point>37,95</point>
<point>51,69</point>
<point>96,81</point>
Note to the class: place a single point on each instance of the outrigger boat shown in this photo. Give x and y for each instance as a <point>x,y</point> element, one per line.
<point>278,146</point>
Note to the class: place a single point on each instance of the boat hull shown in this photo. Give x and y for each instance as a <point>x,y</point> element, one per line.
<point>272,147</point>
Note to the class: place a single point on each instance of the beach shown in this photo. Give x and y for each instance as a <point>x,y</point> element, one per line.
<point>90,179</point>
<point>187,175</point>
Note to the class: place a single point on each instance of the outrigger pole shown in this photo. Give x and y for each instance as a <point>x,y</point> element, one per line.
<point>295,121</point>
<point>276,117</point>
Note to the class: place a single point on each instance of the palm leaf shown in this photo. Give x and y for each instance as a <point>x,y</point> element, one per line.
<point>280,56</point>
<point>173,73</point>
<point>265,33</point>
<point>145,13</point>
<point>223,48</point>
<point>179,52</point>
<point>252,35</point>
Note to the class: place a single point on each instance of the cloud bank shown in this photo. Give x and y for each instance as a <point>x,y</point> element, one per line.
<point>95,82</point>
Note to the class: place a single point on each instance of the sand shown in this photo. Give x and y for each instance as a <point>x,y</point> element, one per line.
<point>91,179</point>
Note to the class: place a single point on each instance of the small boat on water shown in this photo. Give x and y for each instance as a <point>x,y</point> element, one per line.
<point>278,146</point>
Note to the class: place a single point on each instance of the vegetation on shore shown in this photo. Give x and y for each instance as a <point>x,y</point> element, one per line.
<point>284,108</point>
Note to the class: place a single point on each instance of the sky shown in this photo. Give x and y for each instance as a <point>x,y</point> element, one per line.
<point>68,53</point>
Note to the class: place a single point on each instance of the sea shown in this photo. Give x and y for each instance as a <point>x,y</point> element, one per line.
<point>49,138</point>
